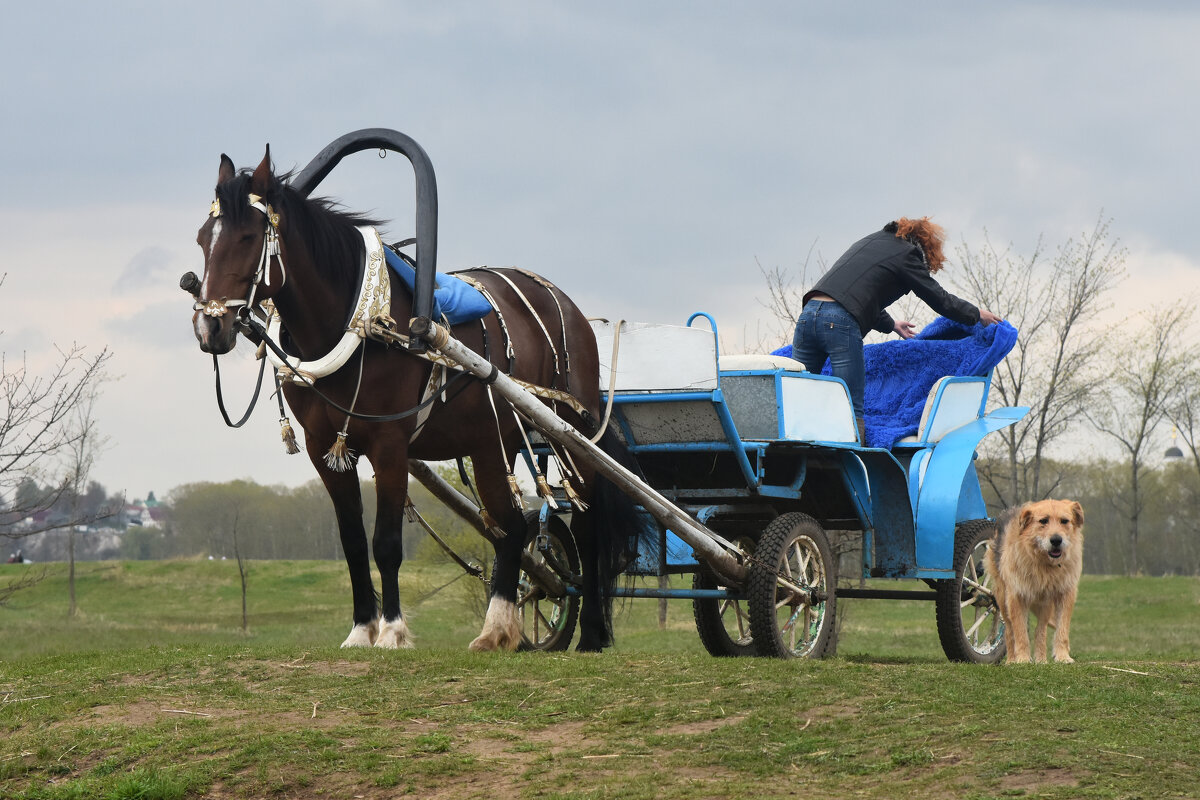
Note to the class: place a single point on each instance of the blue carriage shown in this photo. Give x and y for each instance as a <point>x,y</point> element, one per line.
<point>766,456</point>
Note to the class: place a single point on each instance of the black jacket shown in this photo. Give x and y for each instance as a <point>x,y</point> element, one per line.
<point>880,269</point>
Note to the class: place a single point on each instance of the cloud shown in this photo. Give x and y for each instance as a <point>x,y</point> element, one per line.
<point>149,267</point>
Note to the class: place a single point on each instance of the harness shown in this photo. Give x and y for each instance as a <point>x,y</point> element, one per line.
<point>369,318</point>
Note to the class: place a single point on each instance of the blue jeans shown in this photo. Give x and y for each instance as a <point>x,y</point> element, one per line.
<point>826,330</point>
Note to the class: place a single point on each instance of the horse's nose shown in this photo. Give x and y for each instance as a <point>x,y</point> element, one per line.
<point>210,334</point>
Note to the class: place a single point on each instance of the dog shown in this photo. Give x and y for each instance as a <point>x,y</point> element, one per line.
<point>1035,560</point>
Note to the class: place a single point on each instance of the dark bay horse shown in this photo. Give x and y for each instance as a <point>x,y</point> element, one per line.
<point>266,241</point>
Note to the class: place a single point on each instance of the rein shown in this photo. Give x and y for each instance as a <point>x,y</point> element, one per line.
<point>253,400</point>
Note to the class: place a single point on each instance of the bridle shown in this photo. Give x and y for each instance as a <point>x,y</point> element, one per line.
<point>270,249</point>
<point>242,308</point>
<point>281,361</point>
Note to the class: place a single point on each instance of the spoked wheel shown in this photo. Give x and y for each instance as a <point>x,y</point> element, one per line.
<point>723,624</point>
<point>968,619</point>
<point>547,623</point>
<point>785,624</point>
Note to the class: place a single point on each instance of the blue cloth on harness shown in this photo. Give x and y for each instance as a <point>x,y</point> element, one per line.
<point>900,372</point>
<point>455,299</point>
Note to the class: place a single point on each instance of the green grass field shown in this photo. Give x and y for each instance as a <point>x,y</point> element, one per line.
<point>154,691</point>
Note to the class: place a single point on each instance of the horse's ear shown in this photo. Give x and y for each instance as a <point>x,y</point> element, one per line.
<point>227,169</point>
<point>263,180</point>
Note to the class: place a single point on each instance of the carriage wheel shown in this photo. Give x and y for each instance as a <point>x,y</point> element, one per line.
<point>794,547</point>
<point>547,623</point>
<point>723,625</point>
<point>968,619</point>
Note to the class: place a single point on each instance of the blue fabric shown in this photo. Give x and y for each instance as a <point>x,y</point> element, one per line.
<point>900,372</point>
<point>457,300</point>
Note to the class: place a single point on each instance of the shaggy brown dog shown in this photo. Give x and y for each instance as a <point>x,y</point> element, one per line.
<point>1035,561</point>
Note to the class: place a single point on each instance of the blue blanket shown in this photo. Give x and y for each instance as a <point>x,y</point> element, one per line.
<point>457,300</point>
<point>900,372</point>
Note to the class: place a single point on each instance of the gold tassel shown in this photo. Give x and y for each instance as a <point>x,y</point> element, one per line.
<point>515,488</point>
<point>489,522</point>
<point>575,499</point>
<point>340,457</point>
<point>543,490</point>
<point>289,436</point>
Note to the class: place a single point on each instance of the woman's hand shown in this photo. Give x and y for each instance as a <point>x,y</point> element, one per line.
<point>906,329</point>
<point>988,318</point>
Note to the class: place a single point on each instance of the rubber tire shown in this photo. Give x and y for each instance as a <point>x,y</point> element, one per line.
<point>710,623</point>
<point>774,545</point>
<point>970,540</point>
<point>568,608</point>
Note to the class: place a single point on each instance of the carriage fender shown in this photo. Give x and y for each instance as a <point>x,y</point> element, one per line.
<point>946,490</point>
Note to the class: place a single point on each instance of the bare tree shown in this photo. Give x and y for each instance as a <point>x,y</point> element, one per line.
<point>1054,365</point>
<point>83,446</point>
<point>1137,397</point>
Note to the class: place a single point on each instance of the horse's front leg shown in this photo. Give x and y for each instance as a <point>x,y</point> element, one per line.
<point>502,624</point>
<point>347,505</point>
<point>391,491</point>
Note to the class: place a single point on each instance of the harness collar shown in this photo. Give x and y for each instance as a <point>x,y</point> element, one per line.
<point>374,301</point>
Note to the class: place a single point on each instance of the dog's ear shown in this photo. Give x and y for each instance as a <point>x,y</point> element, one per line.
<point>1026,517</point>
<point>1077,512</point>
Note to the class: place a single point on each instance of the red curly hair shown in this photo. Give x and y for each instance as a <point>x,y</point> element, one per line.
<point>931,236</point>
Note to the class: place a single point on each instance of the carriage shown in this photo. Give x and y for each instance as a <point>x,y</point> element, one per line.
<point>736,468</point>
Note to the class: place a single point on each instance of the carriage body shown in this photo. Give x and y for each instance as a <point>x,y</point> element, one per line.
<point>741,442</point>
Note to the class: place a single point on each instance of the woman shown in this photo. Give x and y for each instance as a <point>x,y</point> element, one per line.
<point>852,297</point>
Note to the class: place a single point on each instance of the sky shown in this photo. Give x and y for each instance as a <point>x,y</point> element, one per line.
<point>648,158</point>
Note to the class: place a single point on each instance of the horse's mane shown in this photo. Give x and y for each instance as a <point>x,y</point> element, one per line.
<point>329,231</point>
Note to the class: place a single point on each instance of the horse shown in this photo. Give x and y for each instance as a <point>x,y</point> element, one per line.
<point>266,245</point>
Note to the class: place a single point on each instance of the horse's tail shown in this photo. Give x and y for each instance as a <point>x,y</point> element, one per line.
<point>619,530</point>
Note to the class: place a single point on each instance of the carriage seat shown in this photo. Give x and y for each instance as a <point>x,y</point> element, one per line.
<point>952,402</point>
<point>759,361</point>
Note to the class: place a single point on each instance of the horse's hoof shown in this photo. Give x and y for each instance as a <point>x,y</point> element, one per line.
<point>482,644</point>
<point>394,635</point>
<point>361,636</point>
<point>501,628</point>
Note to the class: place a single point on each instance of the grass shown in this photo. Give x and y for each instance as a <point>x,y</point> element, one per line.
<point>155,692</point>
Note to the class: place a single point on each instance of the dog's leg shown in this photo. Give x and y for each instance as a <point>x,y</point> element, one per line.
<point>1062,630</point>
<point>1018,616</point>
<point>1043,611</point>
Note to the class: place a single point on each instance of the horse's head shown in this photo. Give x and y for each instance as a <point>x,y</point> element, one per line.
<point>242,261</point>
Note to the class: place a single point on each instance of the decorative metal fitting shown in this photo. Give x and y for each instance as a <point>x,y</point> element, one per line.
<point>215,308</point>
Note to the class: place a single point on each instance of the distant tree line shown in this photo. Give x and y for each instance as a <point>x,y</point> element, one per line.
<point>261,522</point>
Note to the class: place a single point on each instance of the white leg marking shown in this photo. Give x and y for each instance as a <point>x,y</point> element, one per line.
<point>394,635</point>
<point>501,628</point>
<point>362,635</point>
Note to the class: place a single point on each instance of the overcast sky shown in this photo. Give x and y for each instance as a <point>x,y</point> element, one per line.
<point>646,157</point>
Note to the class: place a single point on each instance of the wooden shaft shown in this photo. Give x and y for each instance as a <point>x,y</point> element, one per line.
<point>698,536</point>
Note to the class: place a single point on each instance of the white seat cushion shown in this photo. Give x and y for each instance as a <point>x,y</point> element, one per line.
<point>751,362</point>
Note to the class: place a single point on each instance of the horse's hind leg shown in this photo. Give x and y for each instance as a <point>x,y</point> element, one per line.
<point>501,626</point>
<point>347,505</point>
<point>391,490</point>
